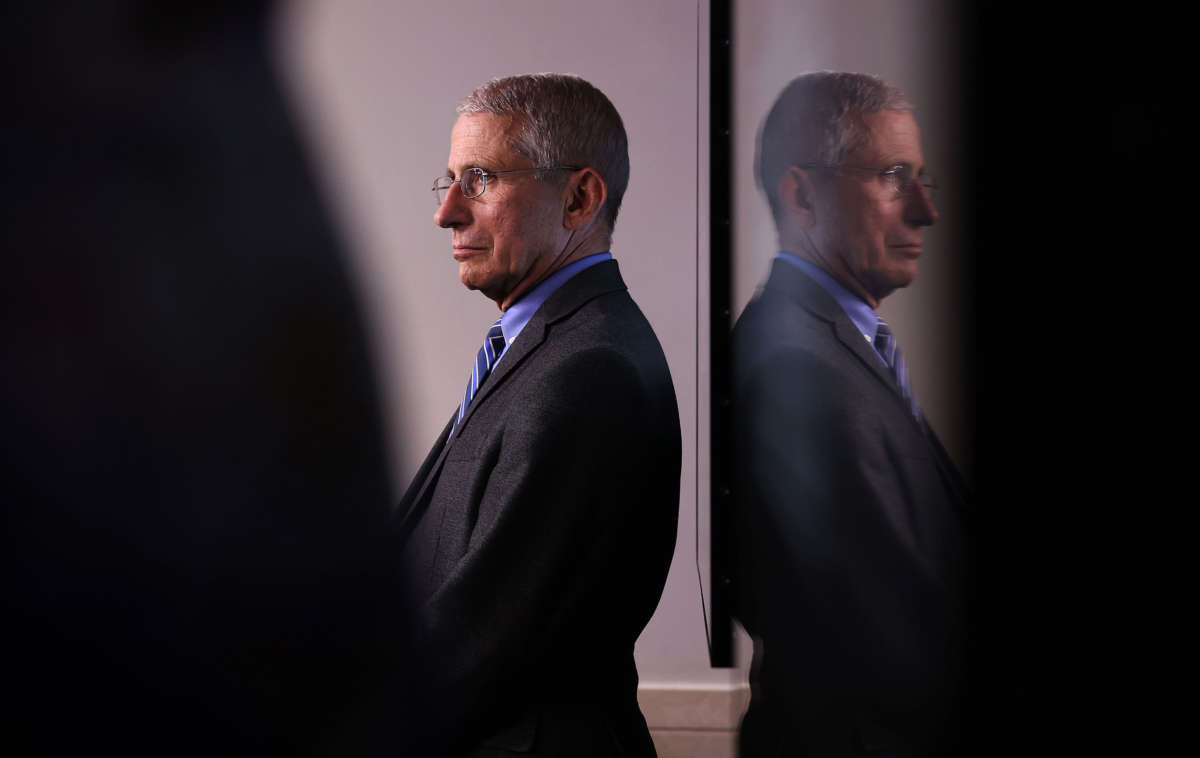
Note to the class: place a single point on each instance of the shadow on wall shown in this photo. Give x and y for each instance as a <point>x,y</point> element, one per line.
<point>194,475</point>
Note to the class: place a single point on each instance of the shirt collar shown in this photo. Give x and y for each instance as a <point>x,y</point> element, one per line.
<point>513,320</point>
<point>861,314</point>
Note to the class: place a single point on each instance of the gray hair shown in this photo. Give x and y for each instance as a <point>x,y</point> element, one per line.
<point>815,119</point>
<point>561,120</point>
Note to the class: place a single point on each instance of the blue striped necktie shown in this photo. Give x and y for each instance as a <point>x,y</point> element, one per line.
<point>493,346</point>
<point>887,347</point>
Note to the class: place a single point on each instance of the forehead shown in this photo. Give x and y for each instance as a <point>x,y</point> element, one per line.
<point>892,136</point>
<point>483,140</point>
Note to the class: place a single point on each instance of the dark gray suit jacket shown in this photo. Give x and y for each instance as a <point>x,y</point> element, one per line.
<point>852,562</point>
<point>540,533</point>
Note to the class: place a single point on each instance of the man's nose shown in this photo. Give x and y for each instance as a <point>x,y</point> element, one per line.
<point>920,209</point>
<point>450,212</point>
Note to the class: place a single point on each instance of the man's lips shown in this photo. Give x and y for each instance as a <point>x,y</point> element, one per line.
<point>462,252</point>
<point>911,248</point>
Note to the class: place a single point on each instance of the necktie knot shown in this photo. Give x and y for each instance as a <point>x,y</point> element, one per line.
<point>889,350</point>
<point>494,342</point>
<point>493,346</point>
<point>885,343</point>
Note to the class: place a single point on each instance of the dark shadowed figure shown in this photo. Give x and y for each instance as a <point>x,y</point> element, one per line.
<point>194,478</point>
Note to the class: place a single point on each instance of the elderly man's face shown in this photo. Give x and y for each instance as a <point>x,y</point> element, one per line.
<point>866,229</point>
<point>511,232</point>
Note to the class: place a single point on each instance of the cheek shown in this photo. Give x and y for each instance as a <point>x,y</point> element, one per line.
<point>860,229</point>
<point>526,235</point>
<point>862,240</point>
<point>505,238</point>
<point>877,230</point>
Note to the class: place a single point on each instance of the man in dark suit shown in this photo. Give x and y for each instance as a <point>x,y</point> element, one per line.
<point>539,529</point>
<point>851,534</point>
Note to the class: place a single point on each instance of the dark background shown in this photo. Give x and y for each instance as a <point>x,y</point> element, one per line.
<point>1082,226</point>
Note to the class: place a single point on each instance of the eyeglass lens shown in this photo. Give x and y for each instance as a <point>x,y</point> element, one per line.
<point>904,181</point>
<point>472,184</point>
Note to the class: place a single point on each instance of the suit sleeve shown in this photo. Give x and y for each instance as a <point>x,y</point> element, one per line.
<point>572,539</point>
<point>831,571</point>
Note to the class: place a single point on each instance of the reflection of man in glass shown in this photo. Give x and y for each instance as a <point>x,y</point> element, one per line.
<point>850,521</point>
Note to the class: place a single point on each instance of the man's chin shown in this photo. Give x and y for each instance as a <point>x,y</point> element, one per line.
<point>492,293</point>
<point>903,275</point>
<point>466,275</point>
<point>881,287</point>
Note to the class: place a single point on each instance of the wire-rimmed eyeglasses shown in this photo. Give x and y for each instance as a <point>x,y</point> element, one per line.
<point>473,181</point>
<point>899,177</point>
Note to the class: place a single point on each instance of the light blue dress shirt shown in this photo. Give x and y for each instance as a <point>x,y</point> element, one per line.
<point>513,320</point>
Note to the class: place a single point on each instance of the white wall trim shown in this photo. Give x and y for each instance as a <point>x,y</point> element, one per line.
<point>694,721</point>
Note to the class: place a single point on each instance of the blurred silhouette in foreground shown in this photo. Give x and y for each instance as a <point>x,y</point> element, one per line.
<point>853,573</point>
<point>194,477</point>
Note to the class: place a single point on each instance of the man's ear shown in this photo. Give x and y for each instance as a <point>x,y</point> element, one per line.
<point>585,196</point>
<point>797,196</point>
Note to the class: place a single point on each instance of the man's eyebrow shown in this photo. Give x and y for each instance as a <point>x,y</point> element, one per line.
<point>450,171</point>
<point>908,165</point>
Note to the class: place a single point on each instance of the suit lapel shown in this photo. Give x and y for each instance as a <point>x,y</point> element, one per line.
<point>812,297</point>
<point>847,333</point>
<point>530,338</point>
<point>585,286</point>
<point>408,509</point>
<point>955,484</point>
<point>574,293</point>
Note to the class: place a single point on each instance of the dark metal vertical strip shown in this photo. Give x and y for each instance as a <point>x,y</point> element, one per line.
<point>720,243</point>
